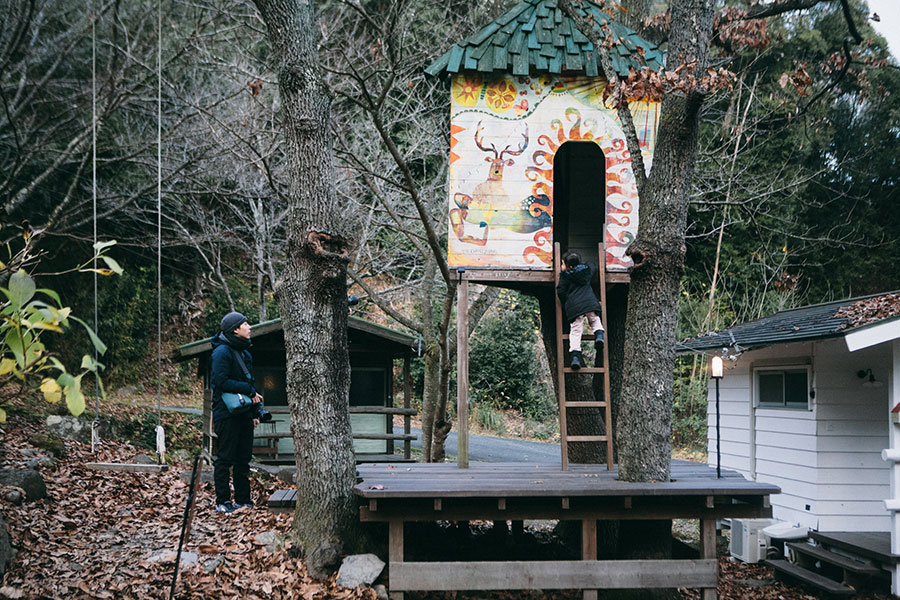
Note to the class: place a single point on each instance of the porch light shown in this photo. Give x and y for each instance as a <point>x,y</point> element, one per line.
<point>716,371</point>
<point>716,367</point>
<point>870,381</point>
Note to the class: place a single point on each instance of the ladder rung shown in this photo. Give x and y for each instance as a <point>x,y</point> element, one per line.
<point>585,404</point>
<point>586,438</point>
<point>585,370</point>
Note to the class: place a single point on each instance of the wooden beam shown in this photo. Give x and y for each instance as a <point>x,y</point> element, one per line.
<point>395,556</point>
<point>462,371</point>
<point>127,467</point>
<point>552,575</point>
<point>589,549</point>
<point>407,397</point>
<point>708,552</point>
<point>382,410</point>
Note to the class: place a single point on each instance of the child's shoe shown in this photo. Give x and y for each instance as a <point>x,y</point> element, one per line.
<point>227,507</point>
<point>598,340</point>
<point>576,360</point>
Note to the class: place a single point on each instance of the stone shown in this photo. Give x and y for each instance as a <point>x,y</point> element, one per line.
<point>7,552</point>
<point>69,428</point>
<point>380,592</point>
<point>272,540</point>
<point>211,564</point>
<point>129,390</point>
<point>29,452</point>
<point>288,474</point>
<point>168,556</point>
<point>359,569</point>
<point>49,442</point>
<point>181,455</point>
<point>144,459</point>
<point>32,463</point>
<point>29,480</point>
<point>14,497</point>
<point>206,476</point>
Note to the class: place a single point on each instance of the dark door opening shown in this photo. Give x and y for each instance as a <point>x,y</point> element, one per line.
<point>579,198</point>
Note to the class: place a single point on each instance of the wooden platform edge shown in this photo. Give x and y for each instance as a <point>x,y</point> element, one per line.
<point>127,467</point>
<point>553,575</point>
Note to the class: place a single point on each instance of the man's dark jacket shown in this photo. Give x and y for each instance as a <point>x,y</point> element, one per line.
<point>227,374</point>
<point>574,290</point>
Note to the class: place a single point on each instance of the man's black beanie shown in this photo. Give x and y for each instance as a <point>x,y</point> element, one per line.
<point>232,321</point>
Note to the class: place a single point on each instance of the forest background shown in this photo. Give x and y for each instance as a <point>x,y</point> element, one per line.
<point>795,198</point>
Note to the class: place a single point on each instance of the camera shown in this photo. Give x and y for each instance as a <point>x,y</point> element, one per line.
<point>263,415</point>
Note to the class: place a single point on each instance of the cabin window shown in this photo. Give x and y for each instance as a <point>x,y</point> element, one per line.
<point>368,386</point>
<point>783,387</point>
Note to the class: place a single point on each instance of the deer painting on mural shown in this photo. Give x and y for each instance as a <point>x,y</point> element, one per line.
<point>490,205</point>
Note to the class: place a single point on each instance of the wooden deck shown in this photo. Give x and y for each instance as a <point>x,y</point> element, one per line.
<point>400,493</point>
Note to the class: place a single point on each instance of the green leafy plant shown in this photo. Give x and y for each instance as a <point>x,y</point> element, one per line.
<point>28,314</point>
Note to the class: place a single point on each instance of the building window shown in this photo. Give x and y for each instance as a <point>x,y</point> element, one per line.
<point>783,387</point>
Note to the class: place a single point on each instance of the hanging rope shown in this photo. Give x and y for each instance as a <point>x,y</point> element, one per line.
<point>160,432</point>
<point>95,436</point>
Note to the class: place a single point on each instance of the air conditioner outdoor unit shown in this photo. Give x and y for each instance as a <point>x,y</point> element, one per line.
<point>748,544</point>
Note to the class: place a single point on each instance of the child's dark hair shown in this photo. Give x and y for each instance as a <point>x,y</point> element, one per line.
<point>572,260</point>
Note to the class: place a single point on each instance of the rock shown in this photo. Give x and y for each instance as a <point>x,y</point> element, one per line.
<point>29,452</point>
<point>213,563</point>
<point>322,560</point>
<point>144,459</point>
<point>181,455</point>
<point>288,474</point>
<point>14,497</point>
<point>69,428</point>
<point>51,443</point>
<point>168,556</point>
<point>129,390</point>
<point>381,592</point>
<point>124,512</point>
<point>359,569</point>
<point>272,540</point>
<point>46,462</point>
<point>28,479</point>
<point>206,476</point>
<point>7,552</point>
<point>32,463</point>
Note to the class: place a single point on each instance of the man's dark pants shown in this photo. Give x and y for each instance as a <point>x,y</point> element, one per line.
<point>234,451</point>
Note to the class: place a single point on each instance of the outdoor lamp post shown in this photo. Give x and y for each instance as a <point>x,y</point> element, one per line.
<point>716,370</point>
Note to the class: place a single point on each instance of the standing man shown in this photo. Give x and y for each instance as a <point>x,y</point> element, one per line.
<point>232,371</point>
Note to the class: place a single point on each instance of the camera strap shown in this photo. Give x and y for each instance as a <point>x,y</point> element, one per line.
<point>240,359</point>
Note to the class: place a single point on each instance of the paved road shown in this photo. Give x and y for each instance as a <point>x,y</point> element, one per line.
<point>485,448</point>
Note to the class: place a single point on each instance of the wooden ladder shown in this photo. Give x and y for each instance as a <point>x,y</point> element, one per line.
<point>562,369</point>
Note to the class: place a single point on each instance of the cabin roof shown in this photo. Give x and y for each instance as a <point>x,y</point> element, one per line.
<point>805,323</point>
<point>535,35</point>
<point>397,340</point>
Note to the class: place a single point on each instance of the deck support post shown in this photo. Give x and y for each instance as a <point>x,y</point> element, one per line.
<point>462,370</point>
<point>708,550</point>
<point>395,553</point>
<point>589,549</point>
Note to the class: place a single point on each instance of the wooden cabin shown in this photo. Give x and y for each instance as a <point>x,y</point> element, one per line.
<point>373,350</point>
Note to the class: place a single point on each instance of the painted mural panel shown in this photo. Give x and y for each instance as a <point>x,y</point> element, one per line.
<point>505,131</point>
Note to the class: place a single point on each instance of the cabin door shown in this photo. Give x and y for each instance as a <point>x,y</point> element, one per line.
<point>579,198</point>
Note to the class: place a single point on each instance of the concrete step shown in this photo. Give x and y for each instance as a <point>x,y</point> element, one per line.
<point>830,586</point>
<point>838,560</point>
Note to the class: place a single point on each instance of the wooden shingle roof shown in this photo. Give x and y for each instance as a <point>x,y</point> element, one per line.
<point>805,323</point>
<point>535,36</point>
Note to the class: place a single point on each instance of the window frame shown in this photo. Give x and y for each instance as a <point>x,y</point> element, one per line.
<point>783,368</point>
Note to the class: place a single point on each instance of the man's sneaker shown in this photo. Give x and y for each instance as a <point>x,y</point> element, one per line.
<point>226,508</point>
<point>598,340</point>
<point>238,505</point>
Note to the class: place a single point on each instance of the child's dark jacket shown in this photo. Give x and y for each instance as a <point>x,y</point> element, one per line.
<point>574,290</point>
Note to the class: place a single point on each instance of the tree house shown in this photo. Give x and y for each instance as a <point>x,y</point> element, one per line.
<point>538,156</point>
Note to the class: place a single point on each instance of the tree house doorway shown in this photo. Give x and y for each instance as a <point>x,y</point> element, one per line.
<point>579,198</point>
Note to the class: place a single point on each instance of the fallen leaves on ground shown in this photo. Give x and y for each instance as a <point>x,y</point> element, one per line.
<point>113,534</point>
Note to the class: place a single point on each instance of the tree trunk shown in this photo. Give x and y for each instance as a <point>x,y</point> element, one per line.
<point>644,436</point>
<point>312,296</point>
